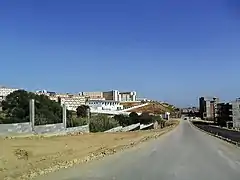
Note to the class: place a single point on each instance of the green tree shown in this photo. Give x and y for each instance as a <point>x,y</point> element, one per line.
<point>133,118</point>
<point>16,108</point>
<point>82,111</point>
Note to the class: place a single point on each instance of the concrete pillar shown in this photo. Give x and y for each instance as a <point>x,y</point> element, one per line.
<point>64,115</point>
<point>32,113</point>
<point>88,115</point>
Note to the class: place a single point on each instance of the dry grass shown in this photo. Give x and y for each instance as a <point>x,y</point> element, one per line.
<point>24,158</point>
<point>156,108</point>
<point>130,104</point>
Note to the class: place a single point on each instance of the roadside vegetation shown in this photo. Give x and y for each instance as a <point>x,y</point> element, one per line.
<point>56,152</point>
<point>16,110</point>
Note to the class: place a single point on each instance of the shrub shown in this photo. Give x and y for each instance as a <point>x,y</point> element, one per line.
<point>101,123</point>
<point>122,120</point>
<point>133,118</point>
<point>75,121</point>
<point>145,118</point>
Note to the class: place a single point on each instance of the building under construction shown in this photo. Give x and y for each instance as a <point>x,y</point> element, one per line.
<point>236,113</point>
<point>208,108</point>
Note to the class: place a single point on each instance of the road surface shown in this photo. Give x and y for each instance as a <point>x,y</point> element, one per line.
<point>182,154</point>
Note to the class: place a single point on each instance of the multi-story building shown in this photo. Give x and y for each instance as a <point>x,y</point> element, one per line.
<point>92,95</point>
<point>115,95</point>
<point>224,114</point>
<point>110,98</point>
<point>45,92</point>
<point>72,102</point>
<point>208,107</point>
<point>104,105</point>
<point>127,96</point>
<point>54,98</point>
<point>4,91</point>
<point>111,95</point>
<point>236,113</point>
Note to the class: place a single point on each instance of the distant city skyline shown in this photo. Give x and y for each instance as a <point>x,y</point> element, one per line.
<point>166,50</point>
<point>196,104</point>
<point>139,94</point>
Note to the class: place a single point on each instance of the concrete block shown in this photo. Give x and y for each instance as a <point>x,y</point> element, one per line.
<point>116,129</point>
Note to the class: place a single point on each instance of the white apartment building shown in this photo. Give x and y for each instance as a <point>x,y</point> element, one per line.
<point>53,98</point>
<point>115,95</point>
<point>73,101</point>
<point>127,96</point>
<point>104,105</point>
<point>4,91</point>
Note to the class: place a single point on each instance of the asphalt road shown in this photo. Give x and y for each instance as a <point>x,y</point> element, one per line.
<point>182,154</point>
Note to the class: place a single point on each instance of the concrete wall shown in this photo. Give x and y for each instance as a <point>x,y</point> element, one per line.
<point>84,129</point>
<point>59,128</point>
<point>25,128</point>
<point>15,128</point>
<point>49,128</point>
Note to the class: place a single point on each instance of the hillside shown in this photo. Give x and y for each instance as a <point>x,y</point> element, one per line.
<point>154,107</point>
<point>130,104</point>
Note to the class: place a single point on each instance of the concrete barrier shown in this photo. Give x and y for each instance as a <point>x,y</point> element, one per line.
<point>147,126</point>
<point>116,129</point>
<point>215,135</point>
<point>132,127</point>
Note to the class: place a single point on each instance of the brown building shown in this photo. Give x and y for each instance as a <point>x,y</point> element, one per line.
<point>93,95</point>
<point>208,107</point>
<point>224,114</point>
<point>110,95</point>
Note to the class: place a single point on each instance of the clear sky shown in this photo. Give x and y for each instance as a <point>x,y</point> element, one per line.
<point>171,50</point>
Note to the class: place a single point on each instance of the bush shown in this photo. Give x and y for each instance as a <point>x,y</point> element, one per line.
<point>75,121</point>
<point>145,118</point>
<point>122,120</point>
<point>101,123</point>
<point>133,118</point>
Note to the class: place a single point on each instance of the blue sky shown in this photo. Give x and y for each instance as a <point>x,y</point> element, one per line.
<point>167,50</point>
